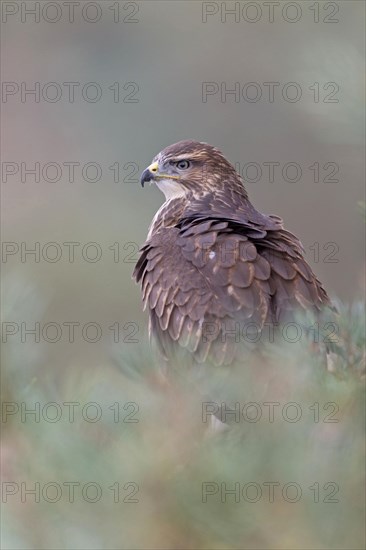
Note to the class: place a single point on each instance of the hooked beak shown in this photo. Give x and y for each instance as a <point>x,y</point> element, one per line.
<point>149,174</point>
<point>152,174</point>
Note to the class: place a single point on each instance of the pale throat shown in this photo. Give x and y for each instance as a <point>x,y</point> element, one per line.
<point>170,211</point>
<point>172,189</point>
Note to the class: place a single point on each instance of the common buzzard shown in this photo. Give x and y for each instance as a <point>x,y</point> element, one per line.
<point>213,267</point>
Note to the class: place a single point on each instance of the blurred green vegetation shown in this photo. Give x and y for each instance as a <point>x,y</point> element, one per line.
<point>150,442</point>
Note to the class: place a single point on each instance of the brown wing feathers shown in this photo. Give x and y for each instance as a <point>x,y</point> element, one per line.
<point>203,276</point>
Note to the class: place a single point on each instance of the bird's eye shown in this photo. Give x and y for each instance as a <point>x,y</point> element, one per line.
<point>183,164</point>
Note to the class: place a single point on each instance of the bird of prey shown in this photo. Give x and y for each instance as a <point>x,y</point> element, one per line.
<point>214,270</point>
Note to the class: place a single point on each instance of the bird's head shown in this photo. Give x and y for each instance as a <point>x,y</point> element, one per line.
<point>191,168</point>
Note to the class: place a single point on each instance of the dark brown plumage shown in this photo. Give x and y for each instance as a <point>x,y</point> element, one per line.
<point>212,264</point>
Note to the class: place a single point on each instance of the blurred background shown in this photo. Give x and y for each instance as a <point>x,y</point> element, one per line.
<point>113,84</point>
